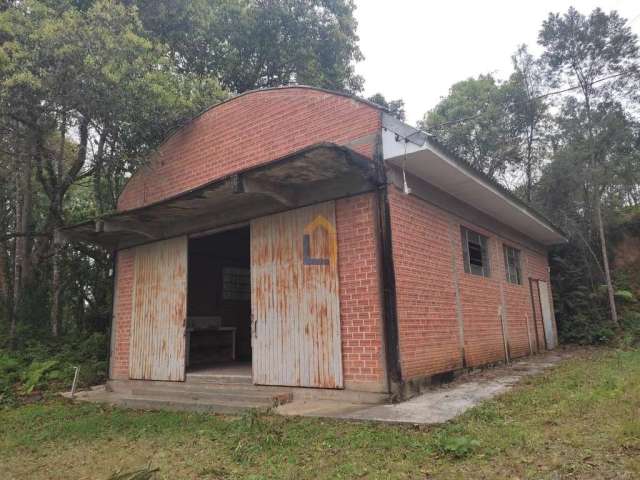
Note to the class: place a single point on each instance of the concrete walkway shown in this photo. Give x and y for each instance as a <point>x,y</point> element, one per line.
<point>440,404</point>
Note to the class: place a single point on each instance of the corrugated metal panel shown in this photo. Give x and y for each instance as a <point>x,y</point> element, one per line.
<point>159,310</point>
<point>294,299</point>
<point>536,310</point>
<point>547,315</point>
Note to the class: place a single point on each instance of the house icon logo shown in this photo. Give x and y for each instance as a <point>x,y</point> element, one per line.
<point>319,222</point>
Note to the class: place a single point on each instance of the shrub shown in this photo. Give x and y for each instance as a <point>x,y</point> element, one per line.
<point>34,374</point>
<point>630,323</point>
<point>624,295</point>
<point>586,328</point>
<point>455,446</point>
<point>48,365</point>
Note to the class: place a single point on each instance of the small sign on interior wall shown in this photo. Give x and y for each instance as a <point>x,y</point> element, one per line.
<point>236,283</point>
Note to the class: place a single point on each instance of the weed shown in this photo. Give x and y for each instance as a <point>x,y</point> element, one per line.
<point>142,474</point>
<point>35,374</point>
<point>455,446</point>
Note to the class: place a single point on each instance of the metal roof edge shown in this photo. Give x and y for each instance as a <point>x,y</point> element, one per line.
<point>426,140</point>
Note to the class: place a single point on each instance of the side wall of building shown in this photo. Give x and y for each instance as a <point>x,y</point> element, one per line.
<point>448,319</point>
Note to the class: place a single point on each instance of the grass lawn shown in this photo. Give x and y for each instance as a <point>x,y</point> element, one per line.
<point>579,420</point>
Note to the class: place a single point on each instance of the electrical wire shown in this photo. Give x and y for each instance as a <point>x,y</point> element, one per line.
<point>539,97</point>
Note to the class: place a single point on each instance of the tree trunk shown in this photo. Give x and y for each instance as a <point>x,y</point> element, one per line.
<point>25,227</point>
<point>529,167</point>
<point>529,181</point>
<point>98,172</point>
<point>596,185</point>
<point>18,261</point>
<point>22,264</point>
<point>56,208</point>
<point>55,292</point>
<point>605,261</point>
<point>4,279</point>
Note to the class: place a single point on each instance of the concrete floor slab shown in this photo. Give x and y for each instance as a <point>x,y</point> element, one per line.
<point>439,404</point>
<point>230,369</point>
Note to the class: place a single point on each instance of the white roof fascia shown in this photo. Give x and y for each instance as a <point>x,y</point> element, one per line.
<point>400,140</point>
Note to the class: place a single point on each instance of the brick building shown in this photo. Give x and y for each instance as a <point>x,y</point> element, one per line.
<point>305,238</point>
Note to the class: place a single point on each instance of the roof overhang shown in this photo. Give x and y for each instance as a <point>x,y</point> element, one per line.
<point>314,174</point>
<point>417,153</point>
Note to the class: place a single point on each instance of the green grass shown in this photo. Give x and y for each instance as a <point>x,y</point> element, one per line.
<point>580,420</point>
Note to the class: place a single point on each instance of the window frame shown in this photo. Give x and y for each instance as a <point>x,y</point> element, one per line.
<point>470,267</point>
<point>514,254</point>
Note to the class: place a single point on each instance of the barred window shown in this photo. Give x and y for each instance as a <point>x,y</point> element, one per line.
<point>475,252</point>
<point>512,265</point>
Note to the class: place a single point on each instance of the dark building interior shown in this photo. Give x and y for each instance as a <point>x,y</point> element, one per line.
<point>219,300</point>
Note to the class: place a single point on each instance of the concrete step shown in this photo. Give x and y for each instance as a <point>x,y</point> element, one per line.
<point>267,398</point>
<point>219,379</point>
<point>127,386</point>
<point>170,402</point>
<point>204,388</point>
<point>202,393</point>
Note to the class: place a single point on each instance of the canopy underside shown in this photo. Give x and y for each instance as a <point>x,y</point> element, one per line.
<point>315,174</point>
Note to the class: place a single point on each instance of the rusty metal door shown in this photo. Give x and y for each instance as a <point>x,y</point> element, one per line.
<point>294,299</point>
<point>547,315</point>
<point>159,311</point>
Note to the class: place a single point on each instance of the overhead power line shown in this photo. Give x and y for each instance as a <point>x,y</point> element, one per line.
<point>539,97</point>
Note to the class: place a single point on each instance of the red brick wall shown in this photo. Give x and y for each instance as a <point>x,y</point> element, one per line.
<point>518,313</point>
<point>481,304</point>
<point>427,253</point>
<point>360,291</point>
<point>425,291</point>
<point>247,131</point>
<point>122,313</point>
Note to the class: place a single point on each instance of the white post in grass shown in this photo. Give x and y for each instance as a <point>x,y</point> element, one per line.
<point>75,382</point>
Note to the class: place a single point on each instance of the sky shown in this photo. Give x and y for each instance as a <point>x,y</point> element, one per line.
<point>416,49</point>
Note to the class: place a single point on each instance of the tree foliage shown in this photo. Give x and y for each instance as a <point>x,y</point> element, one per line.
<point>471,122</point>
<point>600,53</point>
<point>88,88</point>
<point>395,107</point>
<point>562,130</point>
<point>248,44</point>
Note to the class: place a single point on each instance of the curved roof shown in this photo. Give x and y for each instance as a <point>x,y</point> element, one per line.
<point>271,89</point>
<point>246,130</point>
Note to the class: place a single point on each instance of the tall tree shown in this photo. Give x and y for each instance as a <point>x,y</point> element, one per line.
<point>598,53</point>
<point>529,115</point>
<point>249,44</point>
<point>472,122</point>
<point>86,87</point>
<point>89,87</point>
<point>395,107</point>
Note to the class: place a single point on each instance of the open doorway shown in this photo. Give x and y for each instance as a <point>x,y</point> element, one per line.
<point>219,304</point>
